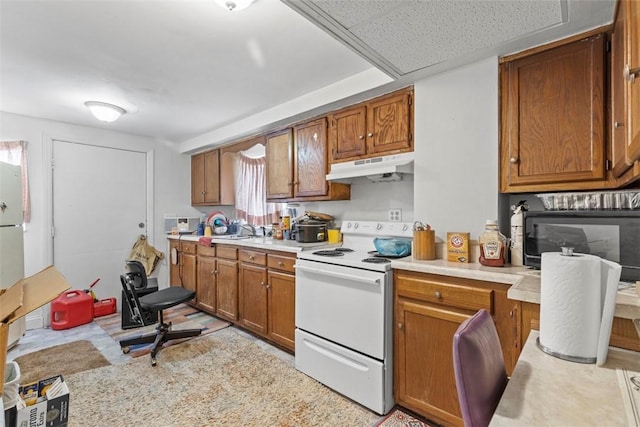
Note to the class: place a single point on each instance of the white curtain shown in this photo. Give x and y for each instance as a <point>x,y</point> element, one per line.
<point>251,192</point>
<point>14,152</point>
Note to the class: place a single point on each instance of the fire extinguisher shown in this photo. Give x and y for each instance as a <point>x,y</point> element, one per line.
<point>517,233</point>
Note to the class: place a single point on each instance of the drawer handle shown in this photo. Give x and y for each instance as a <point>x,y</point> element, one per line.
<point>251,257</point>
<point>281,264</point>
<point>438,295</point>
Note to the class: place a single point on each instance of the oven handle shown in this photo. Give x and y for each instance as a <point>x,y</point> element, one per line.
<point>351,277</point>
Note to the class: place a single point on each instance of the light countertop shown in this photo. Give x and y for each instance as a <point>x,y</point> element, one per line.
<point>525,282</point>
<point>546,391</point>
<point>258,243</point>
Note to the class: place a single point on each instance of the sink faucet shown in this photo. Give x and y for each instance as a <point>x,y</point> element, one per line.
<point>248,227</point>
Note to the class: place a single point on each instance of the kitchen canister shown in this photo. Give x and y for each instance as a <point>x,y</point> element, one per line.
<point>424,244</point>
<point>577,300</point>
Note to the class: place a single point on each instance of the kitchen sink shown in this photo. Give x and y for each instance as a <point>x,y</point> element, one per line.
<point>231,237</point>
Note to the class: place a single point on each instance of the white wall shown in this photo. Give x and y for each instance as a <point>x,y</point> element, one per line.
<point>456,133</point>
<point>171,173</point>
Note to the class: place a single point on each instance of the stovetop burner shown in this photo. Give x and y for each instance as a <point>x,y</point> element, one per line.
<point>331,252</point>
<point>376,260</point>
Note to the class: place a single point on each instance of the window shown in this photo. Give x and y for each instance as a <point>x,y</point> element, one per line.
<point>14,152</point>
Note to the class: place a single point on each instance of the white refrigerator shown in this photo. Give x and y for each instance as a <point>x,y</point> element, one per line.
<point>11,237</point>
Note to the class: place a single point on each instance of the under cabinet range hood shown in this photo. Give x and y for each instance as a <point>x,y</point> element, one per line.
<point>384,168</point>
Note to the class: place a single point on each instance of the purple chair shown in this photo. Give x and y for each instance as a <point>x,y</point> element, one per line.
<point>479,369</point>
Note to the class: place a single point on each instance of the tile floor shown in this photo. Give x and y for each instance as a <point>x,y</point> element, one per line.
<point>37,339</point>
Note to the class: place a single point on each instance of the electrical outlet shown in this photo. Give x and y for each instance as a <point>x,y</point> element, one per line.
<point>395,215</point>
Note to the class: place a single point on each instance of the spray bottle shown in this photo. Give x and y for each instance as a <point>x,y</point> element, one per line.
<point>517,233</point>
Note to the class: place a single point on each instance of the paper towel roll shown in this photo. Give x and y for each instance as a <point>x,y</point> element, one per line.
<point>570,306</point>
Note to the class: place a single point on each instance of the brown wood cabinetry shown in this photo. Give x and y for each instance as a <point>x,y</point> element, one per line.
<point>205,178</point>
<point>206,272</point>
<point>174,263</point>
<point>553,118</point>
<point>267,296</point>
<point>227,282</point>
<point>297,165</point>
<point>625,92</point>
<point>188,274</point>
<point>428,310</point>
<point>383,125</point>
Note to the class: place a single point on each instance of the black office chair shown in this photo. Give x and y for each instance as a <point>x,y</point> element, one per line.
<point>143,309</point>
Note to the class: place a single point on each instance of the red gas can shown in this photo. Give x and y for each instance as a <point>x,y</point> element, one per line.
<point>104,307</point>
<point>70,309</point>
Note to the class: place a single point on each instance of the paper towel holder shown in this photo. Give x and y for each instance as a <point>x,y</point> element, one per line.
<point>577,359</point>
<point>567,251</point>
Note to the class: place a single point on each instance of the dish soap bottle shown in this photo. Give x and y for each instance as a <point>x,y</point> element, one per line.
<point>492,245</point>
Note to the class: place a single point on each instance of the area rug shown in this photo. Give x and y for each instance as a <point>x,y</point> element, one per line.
<point>399,418</point>
<point>221,379</point>
<point>181,316</point>
<point>65,359</point>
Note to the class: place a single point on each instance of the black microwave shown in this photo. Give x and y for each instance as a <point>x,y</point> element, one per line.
<point>613,235</point>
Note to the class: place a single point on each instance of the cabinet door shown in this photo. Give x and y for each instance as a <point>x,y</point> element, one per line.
<point>310,155</point>
<point>389,124</point>
<point>189,277</point>
<point>553,116</point>
<point>174,263</point>
<point>253,298</point>
<point>279,168</point>
<point>227,289</point>
<point>348,133</point>
<point>207,284</point>
<point>633,91</point>
<point>281,304</point>
<point>212,177</point>
<point>423,360</point>
<point>197,179</point>
<point>618,102</point>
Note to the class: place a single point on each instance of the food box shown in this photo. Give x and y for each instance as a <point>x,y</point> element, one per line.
<point>23,297</point>
<point>457,247</point>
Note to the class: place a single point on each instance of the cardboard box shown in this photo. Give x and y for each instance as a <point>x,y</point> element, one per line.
<point>50,412</point>
<point>23,297</point>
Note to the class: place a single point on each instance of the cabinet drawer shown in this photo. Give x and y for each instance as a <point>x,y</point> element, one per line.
<point>188,247</point>
<point>206,250</point>
<point>449,294</point>
<point>281,262</point>
<point>253,257</point>
<point>227,252</point>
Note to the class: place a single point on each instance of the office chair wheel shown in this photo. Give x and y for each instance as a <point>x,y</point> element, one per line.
<point>153,361</point>
<point>126,350</point>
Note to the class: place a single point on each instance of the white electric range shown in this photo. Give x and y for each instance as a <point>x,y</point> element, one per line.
<point>344,310</point>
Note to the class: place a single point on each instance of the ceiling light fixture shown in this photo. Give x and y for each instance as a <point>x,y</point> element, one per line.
<point>232,5</point>
<point>105,112</point>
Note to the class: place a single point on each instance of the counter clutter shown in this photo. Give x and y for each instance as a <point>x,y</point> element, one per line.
<point>261,242</point>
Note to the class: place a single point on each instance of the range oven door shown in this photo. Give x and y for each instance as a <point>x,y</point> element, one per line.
<point>348,306</point>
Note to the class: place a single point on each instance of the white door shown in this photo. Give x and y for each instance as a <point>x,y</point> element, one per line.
<point>99,210</point>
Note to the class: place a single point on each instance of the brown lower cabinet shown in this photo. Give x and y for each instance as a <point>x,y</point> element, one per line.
<point>227,282</point>
<point>267,295</point>
<point>427,311</point>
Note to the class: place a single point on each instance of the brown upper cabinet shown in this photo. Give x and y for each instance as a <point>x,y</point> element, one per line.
<point>553,118</point>
<point>297,164</point>
<point>205,178</point>
<point>629,18</point>
<point>381,125</point>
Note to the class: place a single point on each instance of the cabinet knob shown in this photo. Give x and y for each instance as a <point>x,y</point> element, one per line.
<point>361,137</point>
<point>400,325</point>
<point>513,160</point>
<point>262,283</point>
<point>281,264</point>
<point>618,125</point>
<point>214,272</point>
<point>630,74</point>
<point>438,295</point>
<point>251,257</point>
<point>370,134</point>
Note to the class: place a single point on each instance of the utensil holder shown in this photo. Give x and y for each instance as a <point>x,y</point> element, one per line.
<point>424,245</point>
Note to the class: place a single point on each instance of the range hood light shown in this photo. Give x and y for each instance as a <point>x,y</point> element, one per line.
<point>385,168</point>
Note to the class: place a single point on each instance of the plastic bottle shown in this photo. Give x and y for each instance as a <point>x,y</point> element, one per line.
<point>492,245</point>
<point>517,234</point>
